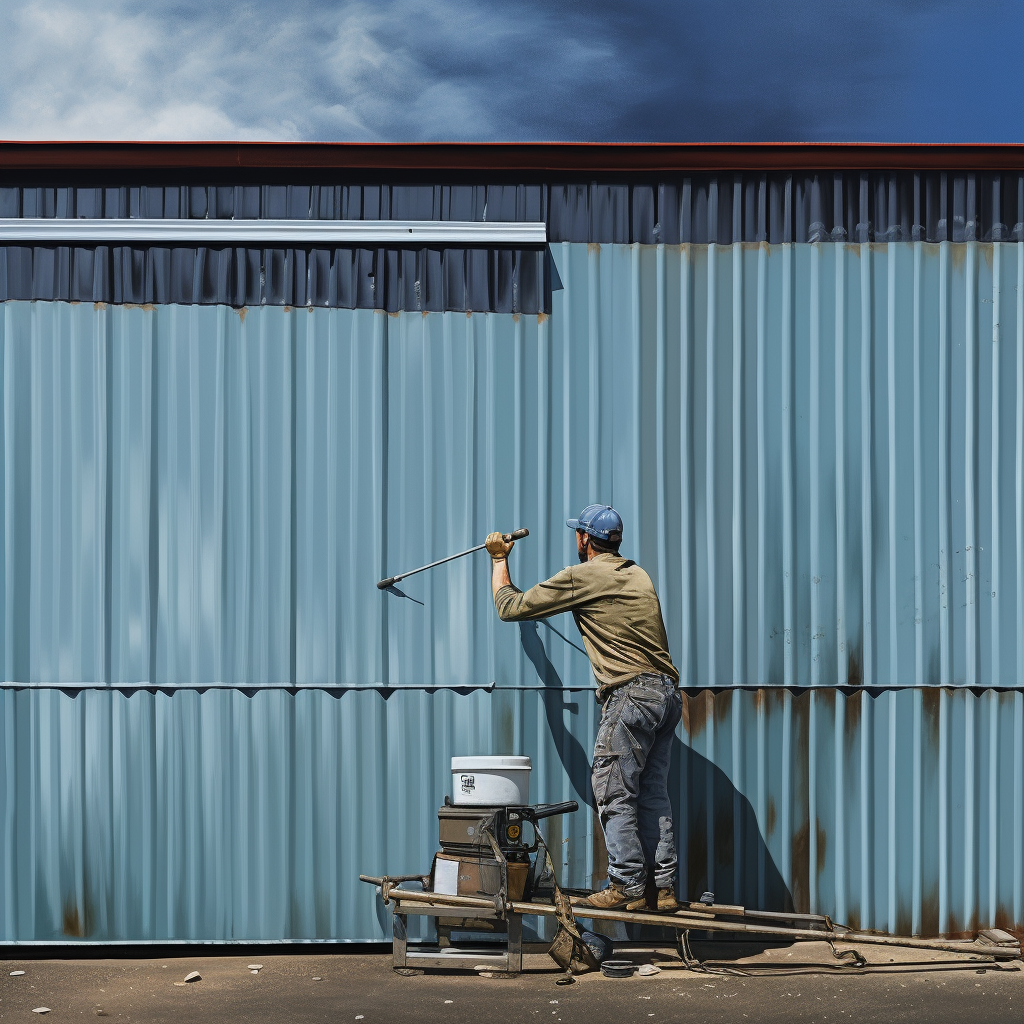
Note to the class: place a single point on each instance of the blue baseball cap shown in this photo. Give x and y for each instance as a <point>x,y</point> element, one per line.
<point>601,521</point>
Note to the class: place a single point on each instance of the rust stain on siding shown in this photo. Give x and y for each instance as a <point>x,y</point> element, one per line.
<point>853,675</point>
<point>904,916</point>
<point>930,910</point>
<point>722,707</point>
<point>854,710</point>
<point>931,700</point>
<point>800,886</point>
<point>74,924</point>
<point>1004,917</point>
<point>697,710</point>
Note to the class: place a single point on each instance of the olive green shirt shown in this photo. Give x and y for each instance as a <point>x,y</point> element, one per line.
<point>616,609</point>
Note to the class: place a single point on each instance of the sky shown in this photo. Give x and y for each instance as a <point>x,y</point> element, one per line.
<point>513,70</point>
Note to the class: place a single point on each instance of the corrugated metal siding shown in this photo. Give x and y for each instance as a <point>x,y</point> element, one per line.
<point>816,450</point>
<point>804,206</point>
<point>794,206</point>
<point>435,279</point>
<point>221,815</point>
<point>181,492</point>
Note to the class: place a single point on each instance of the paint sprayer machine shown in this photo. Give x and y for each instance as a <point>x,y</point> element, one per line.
<point>493,869</point>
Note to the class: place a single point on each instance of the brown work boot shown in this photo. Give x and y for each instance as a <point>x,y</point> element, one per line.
<point>667,902</point>
<point>613,898</point>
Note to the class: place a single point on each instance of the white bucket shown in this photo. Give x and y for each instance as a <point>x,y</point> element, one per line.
<point>495,781</point>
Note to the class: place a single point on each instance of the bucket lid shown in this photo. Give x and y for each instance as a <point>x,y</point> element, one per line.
<point>482,763</point>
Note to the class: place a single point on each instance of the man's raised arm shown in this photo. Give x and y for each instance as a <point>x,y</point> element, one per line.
<point>548,598</point>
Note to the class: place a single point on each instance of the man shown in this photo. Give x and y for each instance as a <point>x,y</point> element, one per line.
<point>619,616</point>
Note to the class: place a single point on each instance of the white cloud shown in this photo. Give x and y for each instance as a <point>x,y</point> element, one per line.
<point>81,69</point>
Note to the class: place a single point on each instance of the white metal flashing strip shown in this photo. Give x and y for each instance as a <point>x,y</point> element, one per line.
<point>15,230</point>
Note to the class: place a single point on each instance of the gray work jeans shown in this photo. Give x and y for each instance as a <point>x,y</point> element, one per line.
<point>630,780</point>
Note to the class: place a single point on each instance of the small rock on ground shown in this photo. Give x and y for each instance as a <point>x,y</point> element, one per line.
<point>194,976</point>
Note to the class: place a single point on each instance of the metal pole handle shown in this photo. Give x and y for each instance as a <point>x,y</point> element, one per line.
<point>548,810</point>
<point>391,580</point>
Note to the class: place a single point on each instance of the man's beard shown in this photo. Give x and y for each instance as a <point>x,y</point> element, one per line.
<point>581,553</point>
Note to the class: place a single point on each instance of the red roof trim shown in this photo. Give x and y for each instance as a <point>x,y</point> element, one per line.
<point>530,157</point>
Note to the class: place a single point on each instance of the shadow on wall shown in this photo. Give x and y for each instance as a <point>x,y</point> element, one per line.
<point>721,848</point>
<point>575,759</point>
<point>719,841</point>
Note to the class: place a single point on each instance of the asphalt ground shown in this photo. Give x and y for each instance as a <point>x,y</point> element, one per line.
<point>794,983</point>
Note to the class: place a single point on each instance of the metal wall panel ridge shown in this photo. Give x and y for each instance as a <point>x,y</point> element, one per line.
<point>227,815</point>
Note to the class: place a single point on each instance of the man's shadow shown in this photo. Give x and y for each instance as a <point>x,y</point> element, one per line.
<point>718,837</point>
<point>575,759</point>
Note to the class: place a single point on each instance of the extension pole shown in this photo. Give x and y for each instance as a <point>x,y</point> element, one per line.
<point>391,580</point>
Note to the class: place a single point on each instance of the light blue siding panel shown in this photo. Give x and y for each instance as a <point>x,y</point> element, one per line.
<point>816,447</point>
<point>248,816</point>
<point>213,720</point>
<point>191,496</point>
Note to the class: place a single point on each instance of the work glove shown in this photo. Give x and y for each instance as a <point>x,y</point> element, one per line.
<point>497,547</point>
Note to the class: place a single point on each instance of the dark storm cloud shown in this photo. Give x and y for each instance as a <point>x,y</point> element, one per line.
<point>452,69</point>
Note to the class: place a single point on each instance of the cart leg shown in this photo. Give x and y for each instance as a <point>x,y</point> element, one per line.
<point>515,944</point>
<point>444,936</point>
<point>398,942</point>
